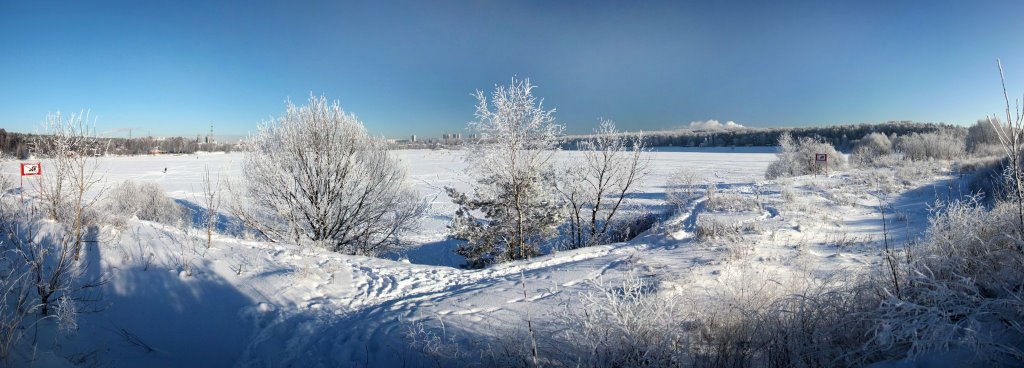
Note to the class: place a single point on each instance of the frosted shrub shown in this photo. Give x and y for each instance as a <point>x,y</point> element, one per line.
<point>16,306</point>
<point>990,180</point>
<point>6,182</point>
<point>625,324</point>
<point>435,344</point>
<point>146,201</point>
<point>316,177</point>
<point>39,280</point>
<point>870,148</point>
<point>942,145</point>
<point>682,187</point>
<point>789,195</point>
<point>730,202</point>
<point>709,228</point>
<point>960,289</point>
<point>823,324</point>
<point>983,138</point>
<point>796,157</point>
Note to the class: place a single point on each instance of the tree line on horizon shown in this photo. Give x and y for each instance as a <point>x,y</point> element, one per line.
<point>22,145</point>
<point>843,137</point>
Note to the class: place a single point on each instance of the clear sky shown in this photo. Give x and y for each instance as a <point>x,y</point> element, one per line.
<point>175,67</point>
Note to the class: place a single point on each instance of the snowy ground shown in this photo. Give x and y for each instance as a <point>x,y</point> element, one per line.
<point>252,303</point>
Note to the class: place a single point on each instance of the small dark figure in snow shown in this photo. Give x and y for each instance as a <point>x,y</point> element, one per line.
<point>165,170</point>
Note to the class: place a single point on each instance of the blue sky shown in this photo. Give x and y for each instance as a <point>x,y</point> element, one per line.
<point>175,67</point>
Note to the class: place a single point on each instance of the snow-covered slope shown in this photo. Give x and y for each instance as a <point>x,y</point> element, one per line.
<point>251,303</point>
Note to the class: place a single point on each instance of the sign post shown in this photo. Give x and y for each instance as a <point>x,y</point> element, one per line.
<point>822,157</point>
<point>29,169</point>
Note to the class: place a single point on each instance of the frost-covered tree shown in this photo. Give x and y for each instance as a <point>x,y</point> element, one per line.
<point>514,205</point>
<point>212,200</point>
<point>1011,138</point>
<point>73,150</point>
<point>609,168</point>
<point>314,176</point>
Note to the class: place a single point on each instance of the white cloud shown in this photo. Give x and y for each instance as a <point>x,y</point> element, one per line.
<point>714,125</point>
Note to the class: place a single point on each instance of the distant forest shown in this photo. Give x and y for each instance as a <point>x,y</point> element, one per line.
<point>843,137</point>
<point>20,145</point>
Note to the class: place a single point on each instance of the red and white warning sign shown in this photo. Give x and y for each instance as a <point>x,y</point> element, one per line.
<point>31,169</point>
<point>821,157</point>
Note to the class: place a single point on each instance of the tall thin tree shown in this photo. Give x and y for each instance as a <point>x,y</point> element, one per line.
<point>513,161</point>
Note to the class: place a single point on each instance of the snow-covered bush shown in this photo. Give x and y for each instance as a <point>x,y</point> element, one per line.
<point>754,226</point>
<point>435,344</point>
<point>961,289</point>
<point>871,148</point>
<point>595,184</point>
<point>6,182</point>
<point>796,157</point>
<point>513,164</point>
<point>822,324</point>
<point>19,305</point>
<point>730,202</point>
<point>625,324</point>
<point>941,145</point>
<point>44,252</point>
<point>16,308</point>
<point>983,138</point>
<point>709,227</point>
<point>315,176</point>
<point>789,194</point>
<point>146,201</point>
<point>750,319</point>
<point>991,180</point>
<point>682,187</point>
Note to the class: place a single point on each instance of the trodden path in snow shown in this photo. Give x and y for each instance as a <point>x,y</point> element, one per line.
<point>387,297</point>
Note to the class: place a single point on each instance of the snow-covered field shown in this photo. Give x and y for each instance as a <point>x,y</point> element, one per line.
<point>253,303</point>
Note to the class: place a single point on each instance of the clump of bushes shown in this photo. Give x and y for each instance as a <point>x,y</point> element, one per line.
<point>730,202</point>
<point>871,150</point>
<point>145,201</point>
<point>796,157</point>
<point>683,187</point>
<point>625,324</point>
<point>941,145</point>
<point>709,228</point>
<point>874,144</point>
<point>960,290</point>
<point>983,138</point>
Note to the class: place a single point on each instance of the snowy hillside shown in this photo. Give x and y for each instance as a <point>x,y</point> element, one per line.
<point>251,303</point>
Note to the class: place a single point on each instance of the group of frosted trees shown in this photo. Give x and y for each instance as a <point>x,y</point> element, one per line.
<point>315,176</point>
<point>522,196</point>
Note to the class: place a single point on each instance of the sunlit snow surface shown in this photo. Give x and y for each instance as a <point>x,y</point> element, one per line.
<point>307,307</point>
